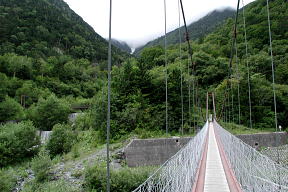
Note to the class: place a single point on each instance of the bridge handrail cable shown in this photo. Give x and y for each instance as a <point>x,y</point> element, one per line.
<point>179,172</point>
<point>253,170</point>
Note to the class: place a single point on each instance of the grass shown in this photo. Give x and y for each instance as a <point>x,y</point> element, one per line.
<point>10,174</point>
<point>240,129</point>
<point>51,186</point>
<point>122,180</point>
<point>147,134</point>
<point>8,179</point>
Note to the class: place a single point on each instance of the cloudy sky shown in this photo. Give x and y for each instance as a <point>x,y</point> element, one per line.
<point>138,21</point>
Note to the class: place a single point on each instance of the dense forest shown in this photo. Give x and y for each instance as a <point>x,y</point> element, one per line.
<point>47,50</point>
<point>197,30</point>
<point>45,28</point>
<point>52,64</point>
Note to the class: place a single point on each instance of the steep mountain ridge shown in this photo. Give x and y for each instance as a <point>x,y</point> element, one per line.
<point>45,28</point>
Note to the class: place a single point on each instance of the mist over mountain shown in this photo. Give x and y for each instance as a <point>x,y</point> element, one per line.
<point>121,45</point>
<point>197,30</point>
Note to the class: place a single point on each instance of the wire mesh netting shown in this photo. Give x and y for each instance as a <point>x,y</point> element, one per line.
<point>179,172</point>
<point>253,170</point>
<point>277,154</point>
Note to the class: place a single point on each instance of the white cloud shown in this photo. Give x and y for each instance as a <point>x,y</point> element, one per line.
<point>138,21</point>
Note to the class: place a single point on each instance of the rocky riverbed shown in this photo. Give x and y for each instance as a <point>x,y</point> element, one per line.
<point>73,171</point>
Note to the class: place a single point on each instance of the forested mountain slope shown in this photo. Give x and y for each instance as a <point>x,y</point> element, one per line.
<point>48,50</point>
<point>46,28</point>
<point>196,30</point>
<point>218,45</point>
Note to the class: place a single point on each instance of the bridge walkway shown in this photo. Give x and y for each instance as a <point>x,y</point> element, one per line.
<point>214,173</point>
<point>215,178</point>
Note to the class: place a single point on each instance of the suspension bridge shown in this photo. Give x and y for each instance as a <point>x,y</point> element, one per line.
<point>217,161</point>
<point>214,160</point>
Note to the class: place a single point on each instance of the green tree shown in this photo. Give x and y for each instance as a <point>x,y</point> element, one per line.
<point>19,64</point>
<point>61,140</point>
<point>29,93</point>
<point>150,57</point>
<point>3,86</point>
<point>45,68</point>
<point>10,110</point>
<point>48,112</point>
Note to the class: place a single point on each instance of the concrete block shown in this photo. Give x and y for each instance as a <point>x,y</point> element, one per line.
<point>143,152</point>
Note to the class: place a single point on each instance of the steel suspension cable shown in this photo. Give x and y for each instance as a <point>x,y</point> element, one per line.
<point>273,82</point>
<point>232,52</point>
<point>198,103</point>
<point>232,95</point>
<point>238,84</point>
<point>228,104</point>
<point>194,103</point>
<point>224,111</point>
<point>109,100</point>
<point>232,102</point>
<point>166,73</point>
<point>189,94</point>
<point>193,66</point>
<point>200,109</point>
<point>226,107</point>
<point>222,108</point>
<point>273,85</point>
<point>234,38</point>
<point>272,65</point>
<point>247,65</point>
<point>180,64</point>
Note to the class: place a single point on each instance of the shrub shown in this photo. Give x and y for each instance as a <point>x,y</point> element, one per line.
<point>48,112</point>
<point>122,180</point>
<point>88,140</point>
<point>61,140</point>
<point>17,141</point>
<point>41,166</point>
<point>83,122</point>
<point>75,152</point>
<point>10,110</point>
